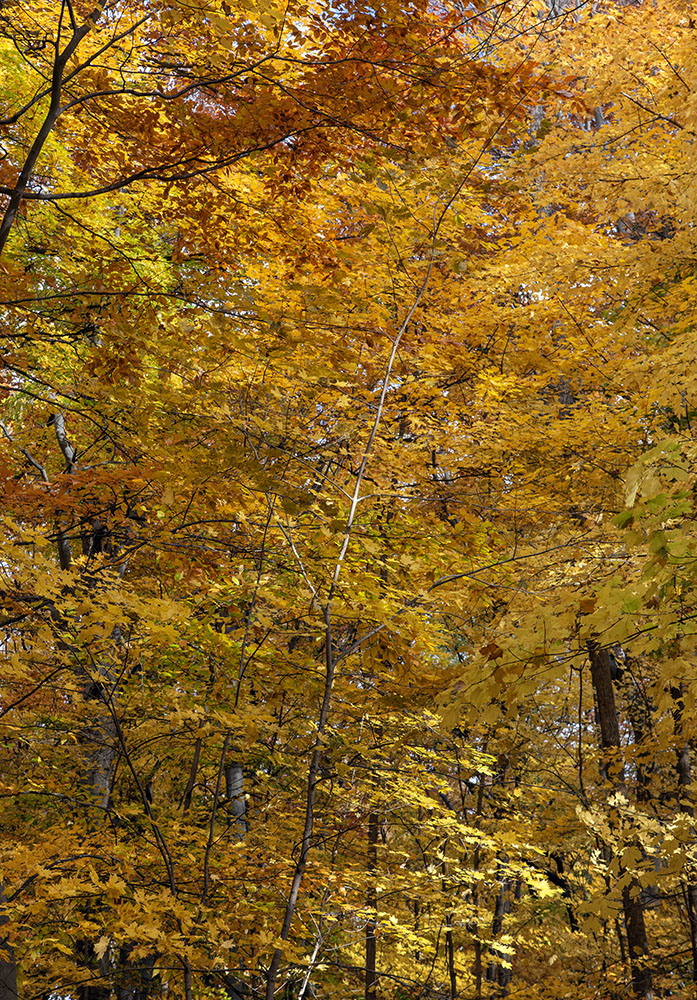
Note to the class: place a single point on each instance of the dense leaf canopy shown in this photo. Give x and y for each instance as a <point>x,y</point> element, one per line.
<point>348,480</point>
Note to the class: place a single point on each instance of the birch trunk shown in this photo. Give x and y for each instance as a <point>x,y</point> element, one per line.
<point>234,789</point>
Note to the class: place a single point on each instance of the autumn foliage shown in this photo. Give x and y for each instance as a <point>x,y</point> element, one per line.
<point>348,489</point>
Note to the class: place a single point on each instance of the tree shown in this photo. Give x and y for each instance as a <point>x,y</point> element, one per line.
<point>312,447</point>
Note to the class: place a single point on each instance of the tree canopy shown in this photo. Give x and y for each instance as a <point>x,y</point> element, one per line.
<point>349,484</point>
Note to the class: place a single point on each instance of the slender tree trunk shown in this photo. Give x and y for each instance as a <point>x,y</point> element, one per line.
<point>449,944</point>
<point>639,710</point>
<point>234,789</point>
<point>135,982</point>
<point>640,721</point>
<point>92,991</point>
<point>450,952</point>
<point>100,739</point>
<point>478,964</point>
<point>612,766</point>
<point>312,781</point>
<point>478,968</point>
<point>560,879</point>
<point>691,902</point>
<point>685,805</point>
<point>8,965</point>
<point>495,971</point>
<point>371,978</point>
<point>417,924</point>
<point>613,771</point>
<point>622,943</point>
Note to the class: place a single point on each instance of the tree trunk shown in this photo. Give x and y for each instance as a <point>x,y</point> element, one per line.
<point>88,960</point>
<point>685,805</point>
<point>612,766</point>
<point>234,789</point>
<point>691,901</point>
<point>559,879</point>
<point>496,972</point>
<point>371,978</point>
<point>613,772</point>
<point>449,944</point>
<point>135,982</point>
<point>478,963</point>
<point>8,966</point>
<point>450,951</point>
<point>638,710</point>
